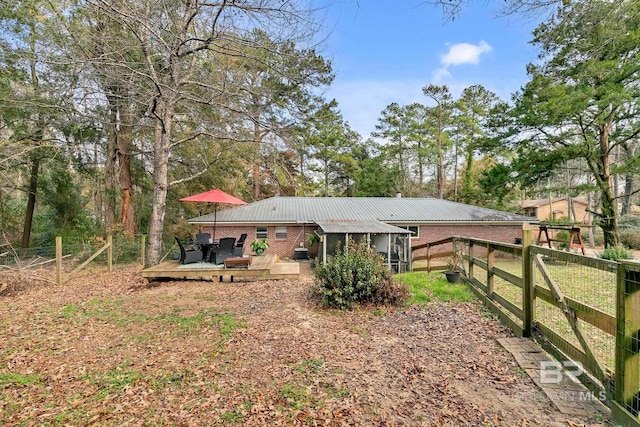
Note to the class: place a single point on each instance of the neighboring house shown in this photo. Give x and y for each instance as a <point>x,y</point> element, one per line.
<point>555,209</point>
<point>391,224</point>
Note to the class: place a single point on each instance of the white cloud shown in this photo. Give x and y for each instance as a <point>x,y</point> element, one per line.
<point>440,74</point>
<point>465,53</point>
<point>459,54</point>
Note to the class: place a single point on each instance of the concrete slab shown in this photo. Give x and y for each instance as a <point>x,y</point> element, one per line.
<point>569,397</point>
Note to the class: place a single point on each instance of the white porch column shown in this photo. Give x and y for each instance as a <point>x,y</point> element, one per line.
<point>409,268</point>
<point>324,249</point>
<point>389,251</point>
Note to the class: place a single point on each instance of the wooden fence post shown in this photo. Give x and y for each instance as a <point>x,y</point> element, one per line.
<point>471,259</point>
<point>527,281</point>
<point>58,260</point>
<point>143,242</point>
<point>490,264</point>
<point>110,253</point>
<point>627,361</point>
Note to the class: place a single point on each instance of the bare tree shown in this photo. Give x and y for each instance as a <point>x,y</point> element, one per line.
<point>182,58</point>
<point>451,9</point>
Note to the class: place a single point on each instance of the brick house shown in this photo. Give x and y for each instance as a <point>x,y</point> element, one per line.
<point>391,224</point>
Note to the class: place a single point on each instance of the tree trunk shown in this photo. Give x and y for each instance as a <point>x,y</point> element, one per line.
<point>127,211</point>
<point>35,160</point>
<point>110,166</point>
<point>604,181</point>
<point>609,220</point>
<point>256,162</point>
<point>455,174</point>
<point>590,219</point>
<point>326,178</point>
<point>628,190</point>
<point>31,203</point>
<point>440,177</point>
<point>467,179</point>
<point>571,212</point>
<point>629,181</point>
<point>161,150</point>
<point>420,165</point>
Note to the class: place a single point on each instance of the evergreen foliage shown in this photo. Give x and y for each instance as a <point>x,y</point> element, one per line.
<point>581,100</point>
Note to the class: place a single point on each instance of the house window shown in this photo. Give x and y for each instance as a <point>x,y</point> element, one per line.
<point>281,233</point>
<point>414,229</point>
<point>261,233</point>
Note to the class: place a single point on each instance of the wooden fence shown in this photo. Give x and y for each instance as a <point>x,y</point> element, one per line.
<point>580,308</point>
<point>68,259</point>
<point>61,277</point>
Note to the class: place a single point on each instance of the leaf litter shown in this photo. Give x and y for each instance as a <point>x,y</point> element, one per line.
<point>108,349</point>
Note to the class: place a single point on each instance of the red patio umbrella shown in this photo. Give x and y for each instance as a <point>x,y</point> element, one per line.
<point>214,196</point>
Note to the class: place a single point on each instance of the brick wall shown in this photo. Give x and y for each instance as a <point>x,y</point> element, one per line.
<point>284,248</point>
<point>495,232</point>
<point>427,233</point>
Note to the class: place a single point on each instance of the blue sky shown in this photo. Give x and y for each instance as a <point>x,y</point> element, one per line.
<point>384,52</point>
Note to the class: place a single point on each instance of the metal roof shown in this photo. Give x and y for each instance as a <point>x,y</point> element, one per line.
<point>394,210</point>
<point>335,227</point>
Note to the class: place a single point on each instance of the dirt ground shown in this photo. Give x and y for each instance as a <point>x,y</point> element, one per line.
<point>109,350</point>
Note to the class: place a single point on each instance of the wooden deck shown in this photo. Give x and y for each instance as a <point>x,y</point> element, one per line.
<point>262,268</point>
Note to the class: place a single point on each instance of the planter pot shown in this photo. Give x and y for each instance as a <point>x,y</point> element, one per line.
<point>452,276</point>
<point>259,251</point>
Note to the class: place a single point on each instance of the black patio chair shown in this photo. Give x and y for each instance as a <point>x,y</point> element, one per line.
<point>203,238</point>
<point>223,251</point>
<point>189,256</point>
<point>204,242</point>
<point>239,248</point>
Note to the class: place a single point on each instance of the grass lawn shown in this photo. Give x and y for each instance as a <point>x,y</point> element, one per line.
<point>425,288</point>
<point>590,286</point>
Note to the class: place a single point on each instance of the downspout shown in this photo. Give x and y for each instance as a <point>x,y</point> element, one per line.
<point>408,240</point>
<point>389,251</point>
<point>324,249</point>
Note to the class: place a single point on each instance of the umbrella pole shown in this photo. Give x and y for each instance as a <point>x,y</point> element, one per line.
<point>215,218</point>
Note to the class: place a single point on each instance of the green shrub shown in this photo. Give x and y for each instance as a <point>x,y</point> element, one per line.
<point>631,239</point>
<point>615,253</point>
<point>564,237</point>
<point>126,249</point>
<point>629,222</point>
<point>356,275</point>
